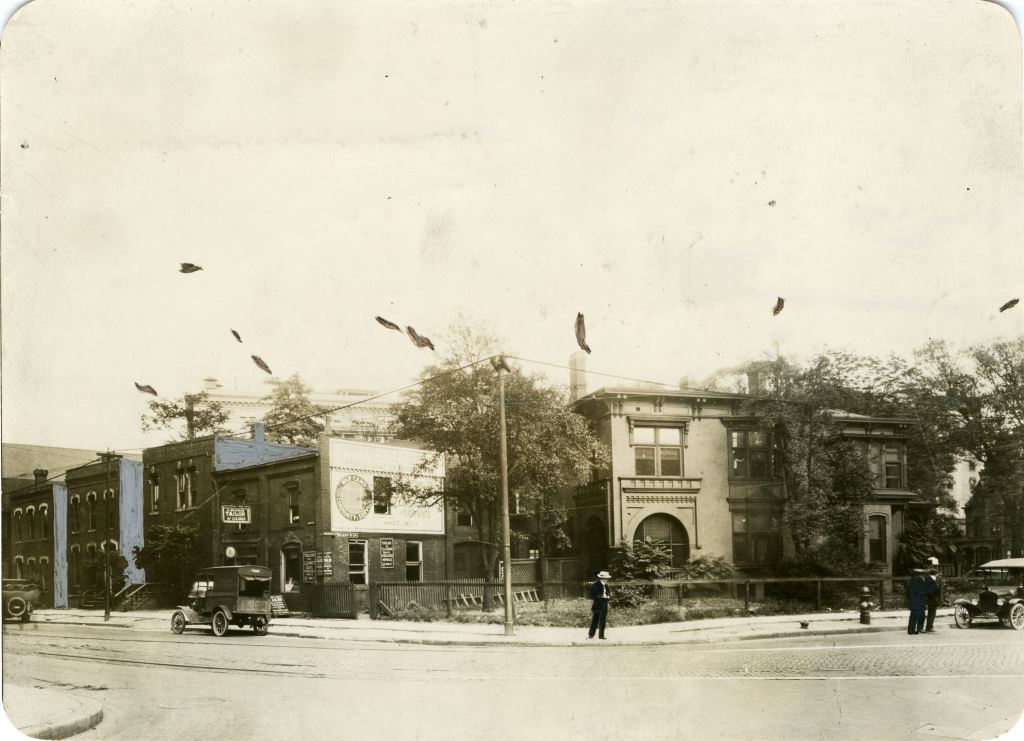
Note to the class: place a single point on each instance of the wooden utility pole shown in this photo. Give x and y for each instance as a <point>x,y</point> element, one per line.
<point>501,367</point>
<point>108,494</point>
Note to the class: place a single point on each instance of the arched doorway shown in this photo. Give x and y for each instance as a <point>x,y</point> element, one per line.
<point>669,531</point>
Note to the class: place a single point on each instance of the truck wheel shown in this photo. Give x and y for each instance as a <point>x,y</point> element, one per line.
<point>178,622</point>
<point>962,617</point>
<point>259,624</point>
<point>16,607</point>
<point>220,623</point>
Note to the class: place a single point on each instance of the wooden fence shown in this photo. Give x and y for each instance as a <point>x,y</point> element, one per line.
<point>331,600</point>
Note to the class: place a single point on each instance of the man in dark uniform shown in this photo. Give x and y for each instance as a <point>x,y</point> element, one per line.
<point>920,587</point>
<point>599,609</point>
<point>934,598</point>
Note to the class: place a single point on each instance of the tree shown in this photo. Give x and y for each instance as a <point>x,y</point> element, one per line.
<point>169,555</point>
<point>293,418</point>
<point>93,570</point>
<point>454,411</point>
<point>186,418</point>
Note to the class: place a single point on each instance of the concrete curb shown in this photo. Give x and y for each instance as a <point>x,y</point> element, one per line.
<point>86,715</point>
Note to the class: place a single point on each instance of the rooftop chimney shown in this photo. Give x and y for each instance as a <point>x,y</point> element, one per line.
<point>754,382</point>
<point>577,375</point>
<point>684,382</point>
<point>258,432</point>
<point>40,475</point>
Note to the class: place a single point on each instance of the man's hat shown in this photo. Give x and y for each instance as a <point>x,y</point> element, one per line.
<point>603,575</point>
<point>933,560</point>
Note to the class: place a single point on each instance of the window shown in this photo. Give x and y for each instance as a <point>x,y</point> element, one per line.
<point>755,538</point>
<point>18,534</point>
<point>413,560</point>
<point>19,568</point>
<point>109,505</point>
<point>885,461</point>
<point>463,517</point>
<point>291,568</point>
<point>30,516</point>
<point>44,522</point>
<point>972,465</point>
<point>749,454</point>
<point>658,451</point>
<point>972,482</point>
<point>75,515</point>
<point>44,568</point>
<point>90,502</point>
<point>381,495</point>
<point>357,561</point>
<point>30,567</point>
<point>668,531</point>
<point>293,505</point>
<point>73,554</point>
<point>877,541</point>
<point>184,481</point>
<point>154,495</point>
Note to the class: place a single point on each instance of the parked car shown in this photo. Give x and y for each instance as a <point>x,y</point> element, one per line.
<point>1001,597</point>
<point>227,595</point>
<point>21,597</point>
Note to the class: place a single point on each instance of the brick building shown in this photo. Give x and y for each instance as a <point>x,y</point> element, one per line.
<point>35,535</point>
<point>688,469</point>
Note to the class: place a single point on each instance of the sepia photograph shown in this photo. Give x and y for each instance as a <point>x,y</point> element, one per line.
<point>507,369</point>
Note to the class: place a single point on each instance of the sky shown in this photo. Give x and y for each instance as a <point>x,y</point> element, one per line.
<point>666,168</point>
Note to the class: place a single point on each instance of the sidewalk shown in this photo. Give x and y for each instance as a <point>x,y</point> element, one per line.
<point>473,634</point>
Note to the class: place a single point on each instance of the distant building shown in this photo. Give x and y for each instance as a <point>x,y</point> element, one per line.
<point>361,418</point>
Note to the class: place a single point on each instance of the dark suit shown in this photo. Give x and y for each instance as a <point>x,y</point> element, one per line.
<point>917,598</point>
<point>934,600</point>
<point>600,594</point>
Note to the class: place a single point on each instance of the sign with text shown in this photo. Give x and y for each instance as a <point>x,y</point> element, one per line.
<point>278,608</point>
<point>324,564</point>
<point>236,514</point>
<point>308,567</point>
<point>387,553</point>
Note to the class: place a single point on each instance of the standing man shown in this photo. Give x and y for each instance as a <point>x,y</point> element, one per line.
<point>599,609</point>
<point>935,597</point>
<point>920,587</point>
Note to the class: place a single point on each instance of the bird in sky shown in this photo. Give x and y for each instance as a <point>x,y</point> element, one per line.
<point>261,364</point>
<point>237,336</point>
<point>187,267</point>
<point>385,323</point>
<point>1009,304</point>
<point>418,339</point>
<point>581,333</point>
<point>147,389</point>
<point>778,306</point>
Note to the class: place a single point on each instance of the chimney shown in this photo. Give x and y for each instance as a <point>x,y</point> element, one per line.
<point>577,375</point>
<point>684,382</point>
<point>40,475</point>
<point>258,432</point>
<point>754,382</point>
<point>211,384</point>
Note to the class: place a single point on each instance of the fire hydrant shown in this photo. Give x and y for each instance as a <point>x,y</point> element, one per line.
<point>865,605</point>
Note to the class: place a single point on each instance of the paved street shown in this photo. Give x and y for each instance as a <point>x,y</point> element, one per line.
<point>955,684</point>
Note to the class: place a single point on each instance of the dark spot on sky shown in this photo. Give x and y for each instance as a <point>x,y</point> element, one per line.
<point>771,203</point>
<point>968,189</point>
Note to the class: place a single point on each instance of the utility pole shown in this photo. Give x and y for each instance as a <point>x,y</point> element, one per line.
<point>108,494</point>
<point>501,367</point>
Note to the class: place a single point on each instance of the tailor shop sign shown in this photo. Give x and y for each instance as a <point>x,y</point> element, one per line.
<point>353,510</point>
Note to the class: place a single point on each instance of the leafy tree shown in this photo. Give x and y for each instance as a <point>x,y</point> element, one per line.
<point>169,555</point>
<point>642,560</point>
<point>93,568</point>
<point>293,418</point>
<point>193,415</point>
<point>929,538</point>
<point>455,412</point>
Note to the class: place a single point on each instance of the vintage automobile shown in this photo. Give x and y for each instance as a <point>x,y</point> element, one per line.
<point>227,595</point>
<point>20,596</point>
<point>1001,597</point>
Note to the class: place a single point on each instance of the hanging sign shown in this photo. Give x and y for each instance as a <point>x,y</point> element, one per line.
<point>387,553</point>
<point>236,514</point>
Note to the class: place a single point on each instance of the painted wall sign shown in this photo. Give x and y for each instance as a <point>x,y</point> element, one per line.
<point>236,514</point>
<point>353,498</point>
<point>387,553</point>
<point>308,567</point>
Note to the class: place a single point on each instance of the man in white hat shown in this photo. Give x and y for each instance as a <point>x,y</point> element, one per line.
<point>599,610</point>
<point>934,597</point>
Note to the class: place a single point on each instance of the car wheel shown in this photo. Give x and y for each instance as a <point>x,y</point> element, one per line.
<point>259,624</point>
<point>16,607</point>
<point>178,622</point>
<point>1017,616</point>
<point>962,617</point>
<point>220,623</point>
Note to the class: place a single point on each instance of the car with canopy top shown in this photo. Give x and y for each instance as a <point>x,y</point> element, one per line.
<point>1001,597</point>
<point>227,595</point>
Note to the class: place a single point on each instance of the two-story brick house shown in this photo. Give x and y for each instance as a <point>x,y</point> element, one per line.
<point>36,534</point>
